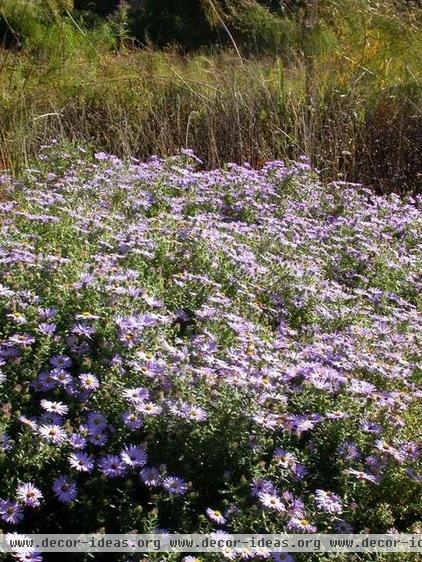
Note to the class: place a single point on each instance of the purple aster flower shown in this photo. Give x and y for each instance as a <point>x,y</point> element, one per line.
<point>272,501</point>
<point>65,489</point>
<point>77,441</point>
<point>175,485</point>
<point>376,465</point>
<point>61,377</point>
<point>411,449</point>
<point>23,340</point>
<point>6,443</point>
<point>30,556</point>
<point>97,420</point>
<point>29,494</point>
<point>61,362</point>
<point>47,418</point>
<point>300,424</point>
<point>89,381</point>
<point>387,449</point>
<point>29,422</point>
<point>53,434</point>
<point>85,280</point>
<point>97,437</point>
<point>152,301</point>
<point>295,506</point>
<point>48,313</point>
<point>148,409</point>
<point>87,316</point>
<point>300,471</point>
<point>151,476</point>
<point>328,502</point>
<point>336,415</point>
<point>197,414</point>
<point>18,318</point>
<point>301,525</point>
<point>260,486</point>
<point>136,395</point>
<point>360,475</point>
<point>246,553</point>
<point>132,420</point>
<point>349,451</point>
<point>357,386</point>
<point>133,455</point>
<point>83,331</point>
<point>112,466</point>
<point>371,427</point>
<point>11,511</point>
<point>130,330</point>
<point>414,475</point>
<point>283,557</point>
<point>342,526</point>
<point>215,516</point>
<point>102,156</point>
<point>284,459</point>
<point>55,407</point>
<point>81,461</point>
<point>47,329</point>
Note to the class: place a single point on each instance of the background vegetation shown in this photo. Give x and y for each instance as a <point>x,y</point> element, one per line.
<point>236,80</point>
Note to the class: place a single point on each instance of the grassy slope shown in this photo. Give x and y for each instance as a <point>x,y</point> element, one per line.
<point>344,88</point>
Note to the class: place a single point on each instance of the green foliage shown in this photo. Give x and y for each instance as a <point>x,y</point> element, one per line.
<point>46,28</point>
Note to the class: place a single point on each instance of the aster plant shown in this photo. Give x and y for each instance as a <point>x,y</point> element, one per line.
<point>225,351</point>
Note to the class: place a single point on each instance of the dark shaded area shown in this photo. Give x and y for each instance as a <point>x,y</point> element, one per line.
<point>165,22</point>
<point>390,153</point>
<point>100,7</point>
<point>190,24</point>
<point>9,37</point>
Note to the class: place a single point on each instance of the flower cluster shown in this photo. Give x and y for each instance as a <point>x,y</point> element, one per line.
<point>232,350</point>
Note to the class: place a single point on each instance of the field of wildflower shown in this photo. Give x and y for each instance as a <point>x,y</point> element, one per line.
<point>233,350</point>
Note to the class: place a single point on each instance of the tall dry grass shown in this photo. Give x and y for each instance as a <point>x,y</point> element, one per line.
<point>347,92</point>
